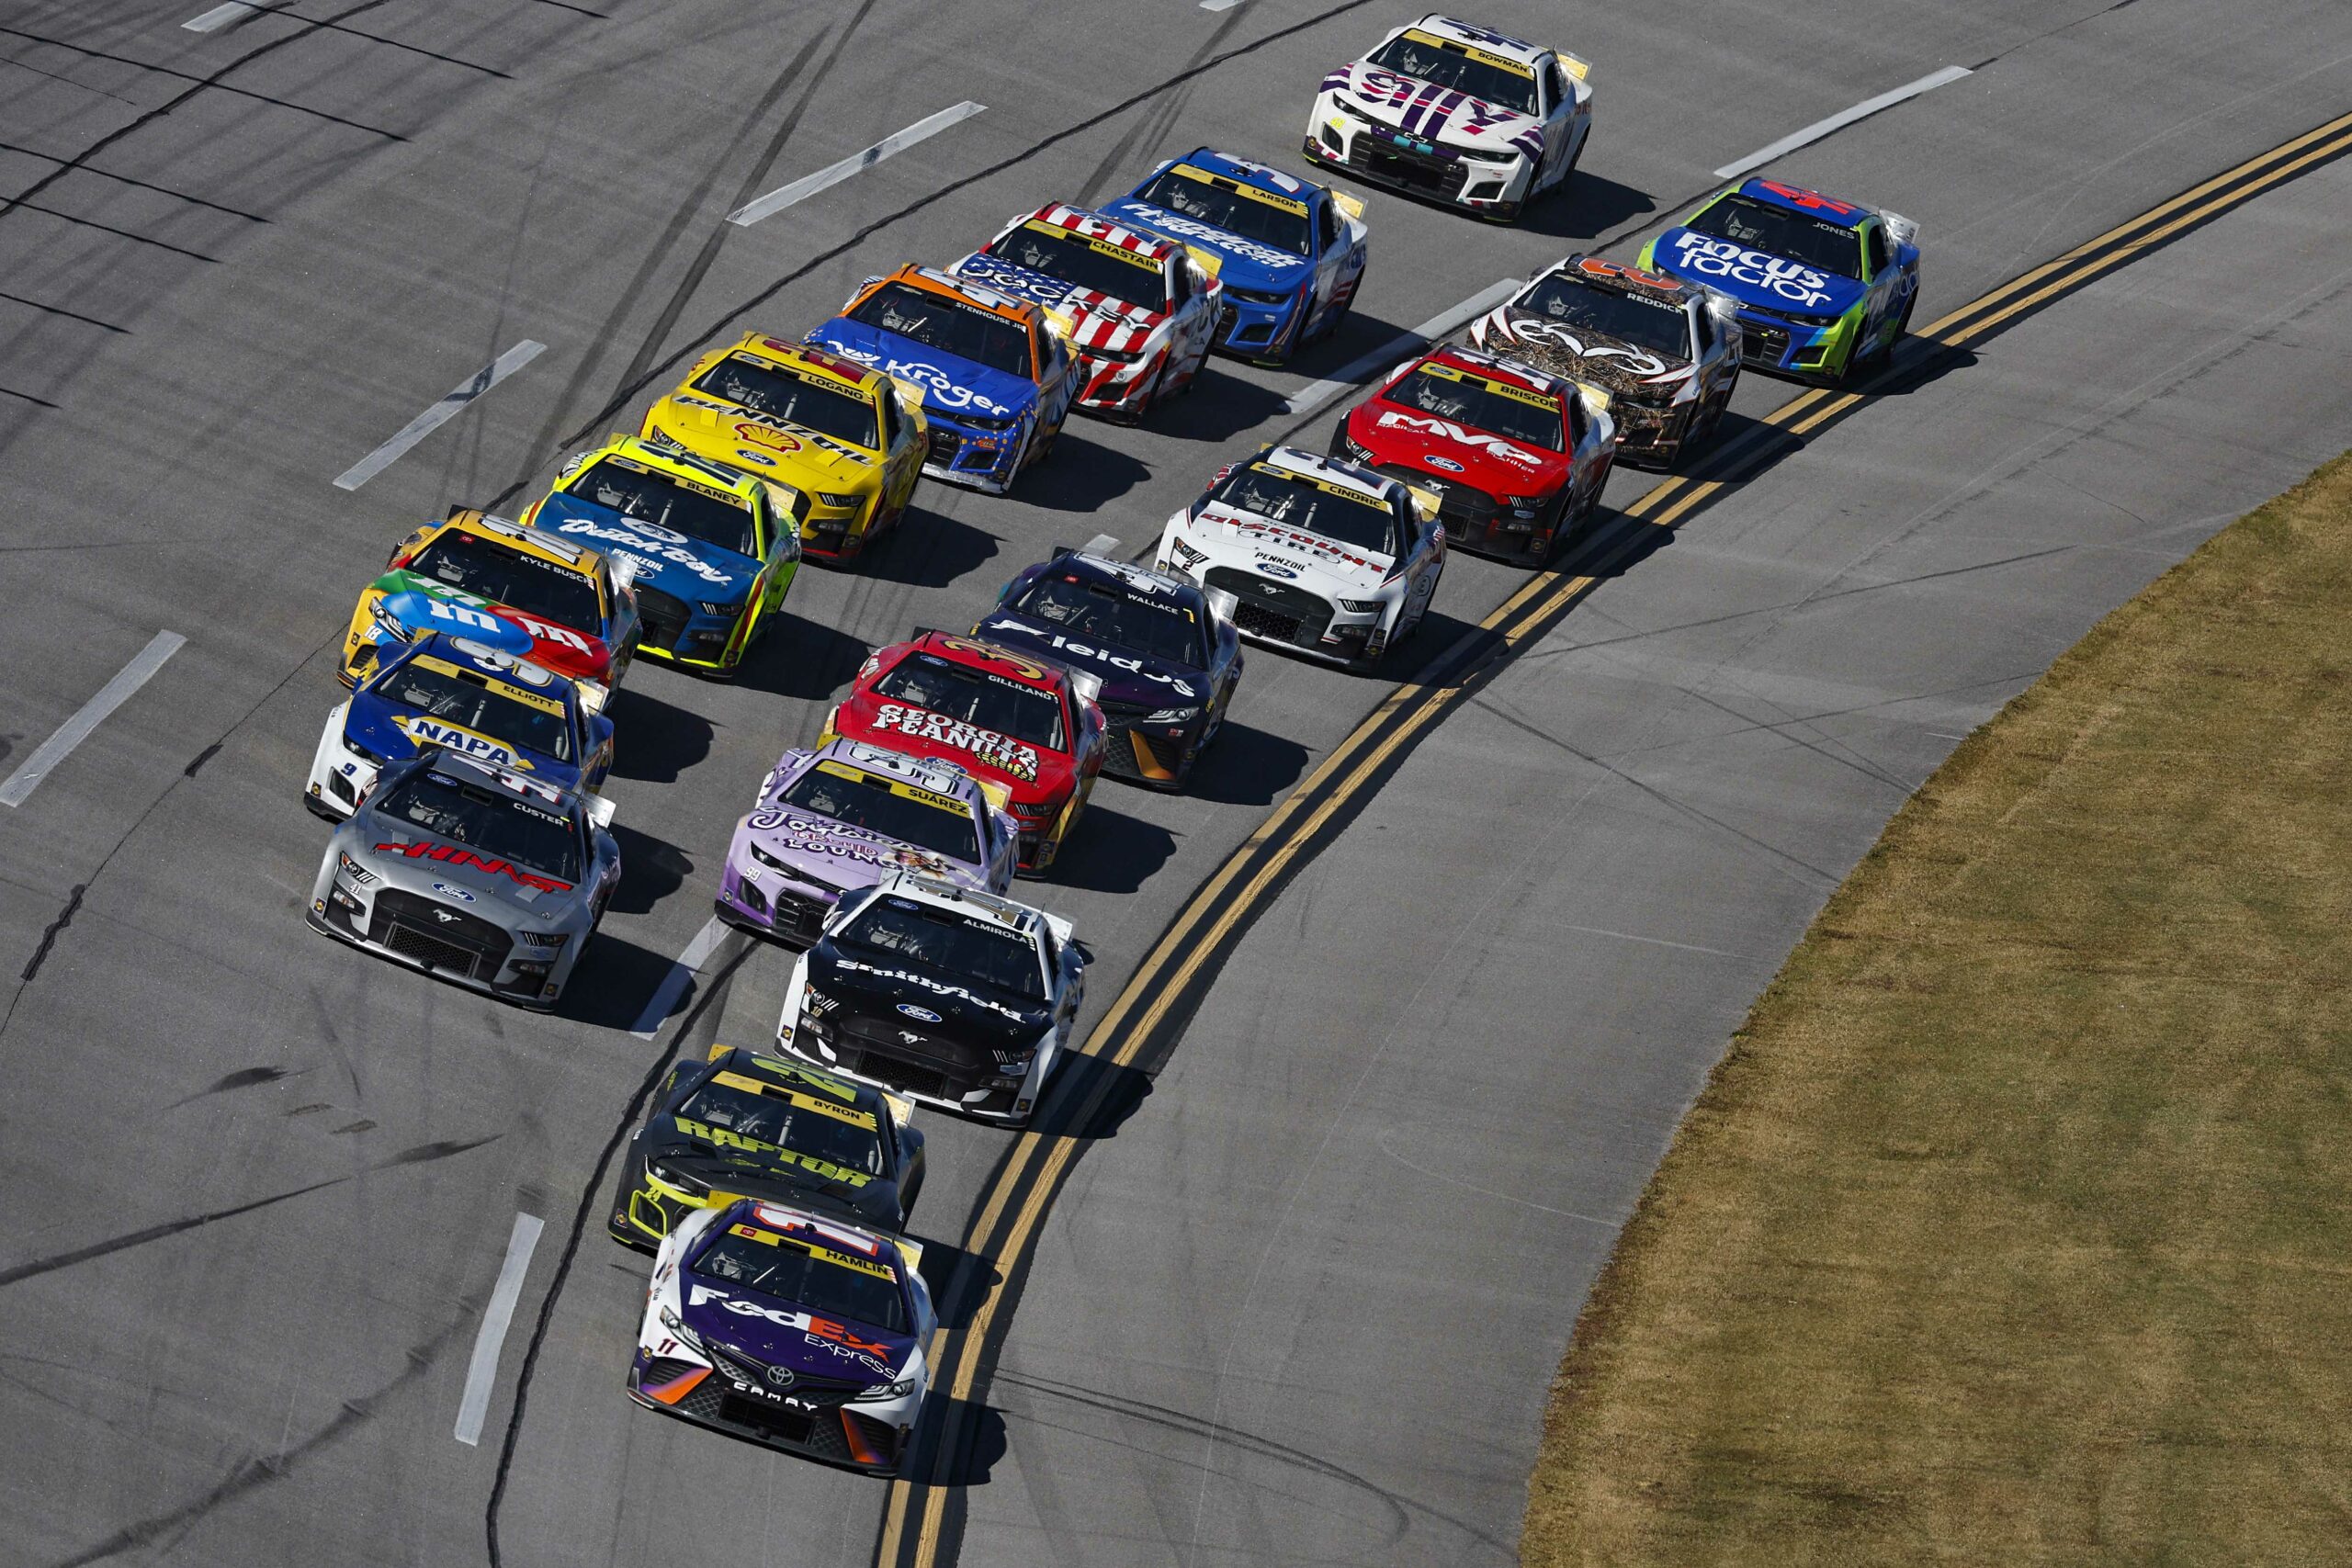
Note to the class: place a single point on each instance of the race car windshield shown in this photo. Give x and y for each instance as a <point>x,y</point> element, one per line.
<point>1154,625</point>
<point>466,699</point>
<point>777,1123</point>
<point>534,586</point>
<point>1828,247</point>
<point>1071,260</point>
<point>1365,522</point>
<point>962,946</point>
<point>1454,68</point>
<point>665,503</point>
<point>1645,324</point>
<point>948,325</point>
<point>779,394</point>
<point>794,1271</point>
<point>1231,211</point>
<point>1025,713</point>
<point>494,826</point>
<point>871,804</point>
<point>1473,402</point>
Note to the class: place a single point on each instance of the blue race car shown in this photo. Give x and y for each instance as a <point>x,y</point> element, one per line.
<point>1825,288</point>
<point>1289,253</point>
<point>452,694</point>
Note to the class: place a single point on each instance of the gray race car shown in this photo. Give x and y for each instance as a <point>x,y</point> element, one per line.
<point>471,873</point>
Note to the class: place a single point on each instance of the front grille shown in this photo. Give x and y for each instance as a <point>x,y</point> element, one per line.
<point>1760,344</point>
<point>429,931</point>
<point>1275,611</point>
<point>780,1422</point>
<point>897,1074</point>
<point>660,617</point>
<point>1259,622</point>
<point>1425,174</point>
<point>430,950</point>
<point>1119,753</point>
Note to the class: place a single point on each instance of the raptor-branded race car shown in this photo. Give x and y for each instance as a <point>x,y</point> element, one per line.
<point>840,445</point>
<point>1322,556</point>
<point>739,1124</point>
<point>1142,309</point>
<point>1454,113</point>
<point>844,815</point>
<point>789,1328</point>
<point>1165,650</point>
<point>1826,288</point>
<point>997,373</point>
<point>1032,729</point>
<point>1664,352</point>
<point>560,604</point>
<point>960,1000</point>
<point>1290,253</point>
<point>1515,458</point>
<point>451,693</point>
<point>479,875</point>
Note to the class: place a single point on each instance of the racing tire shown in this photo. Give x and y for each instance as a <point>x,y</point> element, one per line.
<point>1339,317</point>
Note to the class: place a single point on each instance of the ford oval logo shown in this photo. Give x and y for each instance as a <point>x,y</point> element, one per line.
<point>460,894</point>
<point>1281,571</point>
<point>1448,464</point>
<point>925,1014</point>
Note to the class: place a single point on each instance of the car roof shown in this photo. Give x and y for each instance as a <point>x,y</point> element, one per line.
<point>979,653</point>
<point>800,1078</point>
<point>1091,225</point>
<point>1014,915</point>
<point>1599,272</point>
<point>933,281</point>
<point>1244,171</point>
<point>1510,371</point>
<point>924,772</point>
<point>539,542</point>
<point>671,461</point>
<point>514,785</point>
<point>1476,37</point>
<point>1111,570</point>
<point>783,1219</point>
<point>806,356</point>
<point>1331,471</point>
<point>489,662</point>
<point>1812,203</point>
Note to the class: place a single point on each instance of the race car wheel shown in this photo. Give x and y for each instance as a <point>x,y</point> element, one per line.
<point>1339,316</point>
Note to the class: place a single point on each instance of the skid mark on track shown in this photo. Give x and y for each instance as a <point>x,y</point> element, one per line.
<point>244,1078</point>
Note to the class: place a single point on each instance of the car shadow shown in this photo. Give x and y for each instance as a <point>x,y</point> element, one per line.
<point>959,1280</point>
<point>654,740</point>
<point>1918,362</point>
<point>651,869</point>
<point>1219,406</point>
<point>1092,1098</point>
<point>1588,205</point>
<point>927,549</point>
<point>1081,476</point>
<point>1247,767</point>
<point>1109,852</point>
<point>1358,336</point>
<point>613,975</point>
<point>802,659</point>
<point>978,1432</point>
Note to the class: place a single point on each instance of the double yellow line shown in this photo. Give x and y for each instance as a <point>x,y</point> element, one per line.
<point>1026,1185</point>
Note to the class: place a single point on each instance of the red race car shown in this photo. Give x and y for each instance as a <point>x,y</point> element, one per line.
<point>1031,733</point>
<point>1516,457</point>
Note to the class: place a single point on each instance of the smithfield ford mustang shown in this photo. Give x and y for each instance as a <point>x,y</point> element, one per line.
<point>1289,253</point>
<point>1826,288</point>
<point>1454,113</point>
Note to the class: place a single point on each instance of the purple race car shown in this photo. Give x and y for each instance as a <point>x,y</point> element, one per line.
<point>845,816</point>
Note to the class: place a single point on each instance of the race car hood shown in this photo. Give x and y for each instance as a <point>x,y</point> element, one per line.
<point>950,384</point>
<point>393,731</point>
<point>843,856</point>
<point>1427,112</point>
<point>1241,263</point>
<point>683,567</point>
<point>1320,565</point>
<point>1753,277</point>
<point>778,1332</point>
<point>1454,452</point>
<point>483,884</point>
<point>1129,678</point>
<point>973,1016</point>
<point>1097,319</point>
<point>1617,366</point>
<point>1031,774</point>
<point>771,448</point>
<point>420,604</point>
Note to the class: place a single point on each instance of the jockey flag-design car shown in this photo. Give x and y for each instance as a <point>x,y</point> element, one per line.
<point>1322,556</point>
<point>840,445</point>
<point>456,695</point>
<point>1515,458</point>
<point>1664,352</point>
<point>1454,113</point>
<point>1164,648</point>
<point>844,815</point>
<point>1290,253</point>
<point>1826,288</point>
<point>538,595</point>
<point>738,1124</point>
<point>997,373</point>
<point>1142,309</point>
<point>478,874</point>
<point>713,555</point>
<point>792,1329</point>
<point>1030,728</point>
<point>960,1000</point>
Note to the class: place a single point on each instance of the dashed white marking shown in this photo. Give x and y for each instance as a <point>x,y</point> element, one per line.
<point>75,730</point>
<point>221,17</point>
<point>439,414</point>
<point>1308,398</point>
<point>1841,119</point>
<point>665,995</point>
<point>481,1373</point>
<point>1101,544</point>
<point>1219,5</point>
<point>897,141</point>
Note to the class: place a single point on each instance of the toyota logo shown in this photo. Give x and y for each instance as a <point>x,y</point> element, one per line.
<point>780,1377</point>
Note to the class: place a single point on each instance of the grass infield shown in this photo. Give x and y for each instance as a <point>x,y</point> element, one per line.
<point>2016,1225</point>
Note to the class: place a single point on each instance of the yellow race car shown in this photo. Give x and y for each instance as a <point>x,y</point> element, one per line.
<point>844,435</point>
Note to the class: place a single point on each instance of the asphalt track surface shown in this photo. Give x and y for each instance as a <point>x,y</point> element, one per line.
<point>1298,1298</point>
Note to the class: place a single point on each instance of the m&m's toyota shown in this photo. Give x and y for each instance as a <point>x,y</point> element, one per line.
<point>1664,352</point>
<point>1030,729</point>
<point>1515,458</point>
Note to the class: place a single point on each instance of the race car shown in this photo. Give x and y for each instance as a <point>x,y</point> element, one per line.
<point>997,373</point>
<point>844,815</point>
<point>1322,556</point>
<point>1032,729</point>
<point>1665,353</point>
<point>1165,650</point>
<point>1290,253</point>
<point>560,604</point>
<point>1142,309</point>
<point>1515,458</point>
<point>1458,114</point>
<point>478,874</point>
<point>793,1330</point>
<point>956,998</point>
<point>452,694</point>
<point>1825,288</point>
<point>840,445</point>
<point>738,1124</point>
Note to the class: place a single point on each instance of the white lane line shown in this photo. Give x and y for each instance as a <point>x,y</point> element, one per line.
<point>1101,545</point>
<point>75,730</point>
<point>221,17</point>
<point>897,141</point>
<point>439,414</point>
<point>481,1373</point>
<point>1219,5</point>
<point>1841,119</point>
<point>674,983</point>
<point>1308,398</point>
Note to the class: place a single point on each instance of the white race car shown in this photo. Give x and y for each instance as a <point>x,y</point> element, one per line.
<point>1322,556</point>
